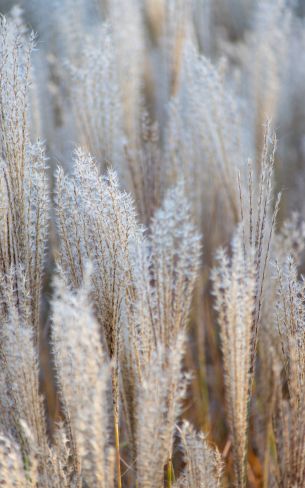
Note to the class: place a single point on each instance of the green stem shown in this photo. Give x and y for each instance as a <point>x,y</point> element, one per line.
<point>169,473</point>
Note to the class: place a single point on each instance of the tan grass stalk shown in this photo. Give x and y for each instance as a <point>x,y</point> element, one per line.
<point>234,289</point>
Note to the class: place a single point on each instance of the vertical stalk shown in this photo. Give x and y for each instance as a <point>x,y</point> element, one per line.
<point>117,447</point>
<point>115,391</point>
<point>169,473</point>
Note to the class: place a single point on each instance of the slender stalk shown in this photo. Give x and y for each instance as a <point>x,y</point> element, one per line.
<point>169,473</point>
<point>117,448</point>
<point>115,391</point>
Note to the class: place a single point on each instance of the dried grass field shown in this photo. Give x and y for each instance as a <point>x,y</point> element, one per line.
<point>152,235</point>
